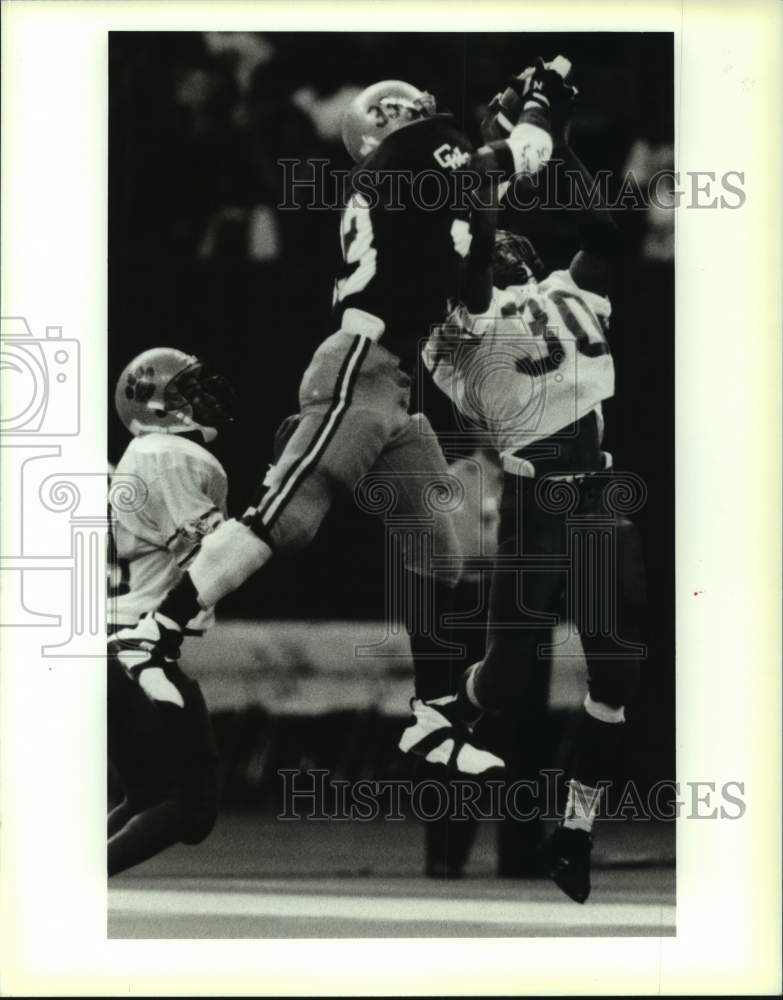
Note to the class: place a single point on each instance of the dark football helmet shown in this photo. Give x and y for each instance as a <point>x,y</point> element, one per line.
<point>514,260</point>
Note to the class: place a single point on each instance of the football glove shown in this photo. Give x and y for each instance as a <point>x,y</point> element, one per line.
<point>543,85</point>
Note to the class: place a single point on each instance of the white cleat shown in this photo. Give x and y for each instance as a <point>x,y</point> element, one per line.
<point>154,682</point>
<point>152,642</point>
<point>437,735</point>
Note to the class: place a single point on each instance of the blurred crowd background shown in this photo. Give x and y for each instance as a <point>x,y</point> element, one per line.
<point>201,258</point>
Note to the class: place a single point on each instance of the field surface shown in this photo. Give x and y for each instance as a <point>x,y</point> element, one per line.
<point>259,877</point>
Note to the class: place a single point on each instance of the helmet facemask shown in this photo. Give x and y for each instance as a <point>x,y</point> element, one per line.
<point>514,260</point>
<point>205,399</point>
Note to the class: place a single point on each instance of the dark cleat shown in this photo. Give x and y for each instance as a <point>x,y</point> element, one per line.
<point>568,861</point>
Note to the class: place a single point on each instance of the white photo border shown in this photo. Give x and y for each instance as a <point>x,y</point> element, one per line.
<point>728,408</point>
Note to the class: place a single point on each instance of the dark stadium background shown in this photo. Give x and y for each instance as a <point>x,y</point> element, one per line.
<point>196,131</point>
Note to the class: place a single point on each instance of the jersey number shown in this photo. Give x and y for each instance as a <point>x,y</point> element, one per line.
<point>589,341</point>
<point>359,254</point>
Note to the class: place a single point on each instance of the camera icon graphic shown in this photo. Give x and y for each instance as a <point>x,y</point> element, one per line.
<point>40,381</point>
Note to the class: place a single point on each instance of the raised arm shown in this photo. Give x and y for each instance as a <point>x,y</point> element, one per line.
<point>599,236</point>
<point>518,134</point>
<point>518,124</point>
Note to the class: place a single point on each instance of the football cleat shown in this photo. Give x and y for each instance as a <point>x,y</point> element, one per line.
<point>438,735</point>
<point>567,855</point>
<point>149,643</point>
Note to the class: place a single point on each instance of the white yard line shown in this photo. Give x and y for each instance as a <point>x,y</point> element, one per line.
<point>534,913</point>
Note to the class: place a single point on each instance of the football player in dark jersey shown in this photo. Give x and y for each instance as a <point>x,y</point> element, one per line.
<point>403,257</point>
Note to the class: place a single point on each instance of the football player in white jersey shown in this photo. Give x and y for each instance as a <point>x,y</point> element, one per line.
<point>159,736</point>
<point>532,372</point>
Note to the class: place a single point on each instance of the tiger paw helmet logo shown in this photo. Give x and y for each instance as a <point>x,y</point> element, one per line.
<point>140,384</point>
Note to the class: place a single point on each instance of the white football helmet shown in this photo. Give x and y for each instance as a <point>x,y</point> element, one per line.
<point>380,110</point>
<point>167,391</point>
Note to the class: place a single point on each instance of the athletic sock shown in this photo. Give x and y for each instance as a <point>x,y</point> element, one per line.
<point>467,706</point>
<point>582,806</point>
<point>181,603</point>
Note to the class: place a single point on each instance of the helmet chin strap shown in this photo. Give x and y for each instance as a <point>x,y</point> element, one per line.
<point>209,434</point>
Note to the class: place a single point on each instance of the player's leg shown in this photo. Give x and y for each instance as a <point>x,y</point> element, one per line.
<point>335,443</point>
<point>149,831</point>
<point>613,679</point>
<point>419,493</point>
<point>137,828</point>
<point>135,739</point>
<point>353,399</point>
<point>524,592</point>
<point>119,816</point>
<point>424,561</point>
<point>167,760</point>
<point>196,757</point>
<point>147,740</point>
<point>512,679</point>
<point>600,743</point>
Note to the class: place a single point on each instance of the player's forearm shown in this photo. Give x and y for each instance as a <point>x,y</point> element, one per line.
<point>598,232</point>
<point>518,123</point>
<point>476,291</point>
<point>527,148</point>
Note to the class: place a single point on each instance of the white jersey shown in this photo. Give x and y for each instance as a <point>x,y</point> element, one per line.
<point>184,490</point>
<point>534,363</point>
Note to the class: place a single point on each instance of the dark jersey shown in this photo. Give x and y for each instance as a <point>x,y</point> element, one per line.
<point>405,233</point>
